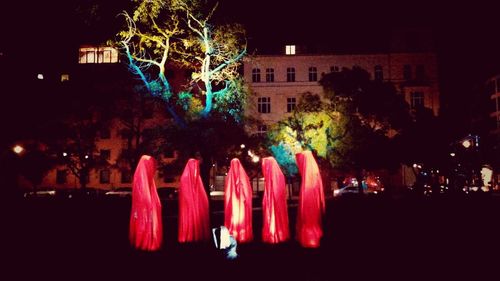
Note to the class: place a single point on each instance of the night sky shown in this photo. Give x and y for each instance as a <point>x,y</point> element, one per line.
<point>46,33</point>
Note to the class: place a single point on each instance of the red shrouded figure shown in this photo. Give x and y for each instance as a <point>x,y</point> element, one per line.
<point>274,206</point>
<point>238,203</point>
<point>193,205</point>
<point>146,230</point>
<point>311,202</point>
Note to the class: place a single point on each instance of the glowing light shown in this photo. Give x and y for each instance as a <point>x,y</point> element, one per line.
<point>64,154</point>
<point>415,165</point>
<point>18,149</point>
<point>39,76</point>
<point>466,143</point>
<point>64,77</point>
<point>86,157</point>
<point>242,145</point>
<point>290,49</point>
<point>452,154</point>
<point>255,158</point>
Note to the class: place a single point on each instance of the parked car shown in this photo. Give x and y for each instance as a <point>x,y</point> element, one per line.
<point>168,193</point>
<point>41,192</point>
<point>120,192</point>
<point>371,185</point>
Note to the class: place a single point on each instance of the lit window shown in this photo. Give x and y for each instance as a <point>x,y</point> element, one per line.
<point>64,77</point>
<point>416,99</point>
<point>290,104</point>
<point>98,55</point>
<point>264,105</point>
<point>269,74</point>
<point>255,75</point>
<point>379,73</point>
<point>290,74</point>
<point>290,49</point>
<point>313,74</point>
<point>334,68</point>
<point>104,176</point>
<point>407,72</point>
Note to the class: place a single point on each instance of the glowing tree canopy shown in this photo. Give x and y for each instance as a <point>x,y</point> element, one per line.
<point>165,34</point>
<point>313,126</point>
<point>146,228</point>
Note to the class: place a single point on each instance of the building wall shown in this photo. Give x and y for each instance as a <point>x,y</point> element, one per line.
<point>392,66</point>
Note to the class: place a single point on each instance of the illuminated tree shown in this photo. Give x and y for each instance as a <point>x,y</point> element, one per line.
<point>177,33</point>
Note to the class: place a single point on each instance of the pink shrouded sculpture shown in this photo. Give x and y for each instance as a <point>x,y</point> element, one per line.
<point>146,229</point>
<point>275,227</point>
<point>238,203</point>
<point>311,202</point>
<point>193,205</point>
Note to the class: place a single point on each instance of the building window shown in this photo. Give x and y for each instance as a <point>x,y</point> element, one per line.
<point>379,73</point>
<point>416,99</point>
<point>334,68</point>
<point>64,77</point>
<point>264,105</point>
<point>105,133</point>
<point>261,130</point>
<point>290,74</point>
<point>420,72</point>
<point>290,104</point>
<point>126,176</point>
<point>61,176</point>
<point>168,152</point>
<point>269,74</point>
<point>104,176</point>
<point>98,55</point>
<point>407,72</point>
<point>290,49</point>
<point>490,88</point>
<point>494,105</point>
<point>168,179</point>
<point>256,75</point>
<point>105,154</point>
<point>313,74</point>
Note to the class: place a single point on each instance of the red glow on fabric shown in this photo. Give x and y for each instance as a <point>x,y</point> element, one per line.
<point>311,202</point>
<point>193,205</point>
<point>238,203</point>
<point>146,229</point>
<point>275,227</point>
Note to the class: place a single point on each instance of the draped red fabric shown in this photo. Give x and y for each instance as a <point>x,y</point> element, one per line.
<point>238,203</point>
<point>274,206</point>
<point>146,229</point>
<point>311,202</point>
<point>193,205</point>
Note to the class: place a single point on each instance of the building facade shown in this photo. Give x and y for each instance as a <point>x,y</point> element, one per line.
<point>279,80</point>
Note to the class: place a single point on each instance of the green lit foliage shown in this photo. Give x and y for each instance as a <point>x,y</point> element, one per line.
<point>312,126</point>
<point>167,33</point>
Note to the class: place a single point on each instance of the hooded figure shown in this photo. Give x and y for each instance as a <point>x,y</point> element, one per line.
<point>193,205</point>
<point>146,230</point>
<point>238,203</point>
<point>274,206</point>
<point>311,202</point>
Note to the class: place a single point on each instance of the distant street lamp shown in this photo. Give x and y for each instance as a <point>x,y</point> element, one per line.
<point>466,143</point>
<point>18,149</point>
<point>452,154</point>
